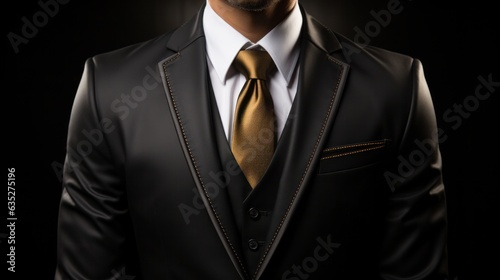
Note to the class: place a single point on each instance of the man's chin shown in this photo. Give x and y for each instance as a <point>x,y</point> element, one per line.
<point>252,5</point>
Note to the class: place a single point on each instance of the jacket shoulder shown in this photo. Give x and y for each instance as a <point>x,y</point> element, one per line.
<point>368,55</point>
<point>147,52</point>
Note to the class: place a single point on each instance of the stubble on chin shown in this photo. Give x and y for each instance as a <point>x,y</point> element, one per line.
<point>252,5</point>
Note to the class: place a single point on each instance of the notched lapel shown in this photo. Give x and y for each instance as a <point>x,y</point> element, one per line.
<point>185,80</point>
<point>321,84</point>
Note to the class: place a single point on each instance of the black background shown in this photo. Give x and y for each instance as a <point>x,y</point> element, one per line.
<point>455,42</point>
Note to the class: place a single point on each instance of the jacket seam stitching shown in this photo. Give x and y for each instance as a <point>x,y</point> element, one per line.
<point>174,103</point>
<point>353,152</point>
<point>354,146</point>
<point>307,168</point>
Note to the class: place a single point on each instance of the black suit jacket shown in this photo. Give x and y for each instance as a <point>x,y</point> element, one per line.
<point>360,195</point>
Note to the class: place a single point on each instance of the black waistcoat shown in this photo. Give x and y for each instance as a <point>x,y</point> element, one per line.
<point>252,209</point>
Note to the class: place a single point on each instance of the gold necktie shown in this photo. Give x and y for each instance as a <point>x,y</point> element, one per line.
<point>254,122</point>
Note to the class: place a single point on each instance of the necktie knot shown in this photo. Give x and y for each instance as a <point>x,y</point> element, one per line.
<point>254,64</point>
<point>254,116</point>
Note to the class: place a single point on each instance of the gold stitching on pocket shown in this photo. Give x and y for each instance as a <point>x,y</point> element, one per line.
<point>369,146</point>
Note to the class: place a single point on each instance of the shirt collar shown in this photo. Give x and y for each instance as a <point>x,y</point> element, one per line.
<point>224,43</point>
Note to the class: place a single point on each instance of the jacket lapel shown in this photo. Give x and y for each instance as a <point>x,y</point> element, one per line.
<point>186,82</point>
<point>321,83</point>
<point>322,78</point>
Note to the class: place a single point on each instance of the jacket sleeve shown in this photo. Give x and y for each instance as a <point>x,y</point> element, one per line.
<point>93,213</point>
<point>415,231</point>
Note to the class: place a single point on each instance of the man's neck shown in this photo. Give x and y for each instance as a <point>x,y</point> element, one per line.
<point>254,25</point>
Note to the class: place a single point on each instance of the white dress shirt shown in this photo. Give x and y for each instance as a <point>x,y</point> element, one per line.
<point>224,43</point>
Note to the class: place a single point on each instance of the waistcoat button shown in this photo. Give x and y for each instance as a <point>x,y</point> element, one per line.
<point>253,244</point>
<point>253,213</point>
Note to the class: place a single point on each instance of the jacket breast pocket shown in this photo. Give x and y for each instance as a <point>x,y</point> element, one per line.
<point>351,156</point>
